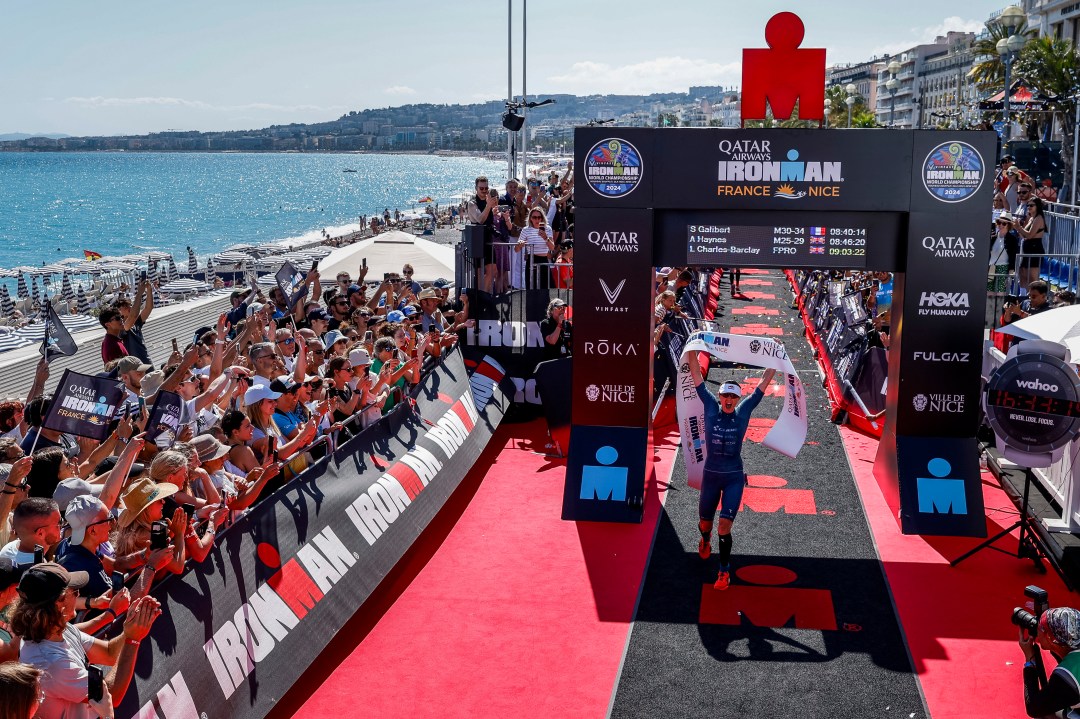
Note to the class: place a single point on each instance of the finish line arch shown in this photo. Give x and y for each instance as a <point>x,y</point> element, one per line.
<point>918,201</point>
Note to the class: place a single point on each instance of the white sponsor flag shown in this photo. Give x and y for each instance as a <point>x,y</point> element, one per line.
<point>787,435</point>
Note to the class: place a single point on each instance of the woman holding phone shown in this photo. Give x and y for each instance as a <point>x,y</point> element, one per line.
<point>537,242</point>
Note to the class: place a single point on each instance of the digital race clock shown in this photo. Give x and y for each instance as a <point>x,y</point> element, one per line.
<point>1032,402</point>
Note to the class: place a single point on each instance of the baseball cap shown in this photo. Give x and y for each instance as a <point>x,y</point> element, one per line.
<point>1014,170</point>
<point>283,384</point>
<point>69,490</point>
<point>132,364</point>
<point>200,332</point>
<point>359,357</point>
<point>408,310</point>
<point>253,308</point>
<point>318,314</point>
<point>81,513</point>
<point>1007,158</point>
<point>441,283</point>
<point>353,289</point>
<point>731,388</point>
<point>258,393</point>
<point>45,582</point>
<point>10,573</point>
<point>395,316</point>
<point>106,465</point>
<point>558,302</point>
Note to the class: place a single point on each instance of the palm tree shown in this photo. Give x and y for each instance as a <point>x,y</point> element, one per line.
<point>989,70</point>
<point>1051,66</point>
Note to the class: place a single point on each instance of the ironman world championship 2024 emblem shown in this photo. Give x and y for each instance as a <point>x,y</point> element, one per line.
<point>953,171</point>
<point>613,168</point>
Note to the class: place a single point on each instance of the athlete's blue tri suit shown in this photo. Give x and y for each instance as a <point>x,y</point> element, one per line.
<point>723,477</point>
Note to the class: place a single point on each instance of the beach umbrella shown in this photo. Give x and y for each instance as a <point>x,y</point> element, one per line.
<point>211,275</point>
<point>152,272</point>
<point>21,292</point>
<point>65,288</point>
<point>183,286</point>
<point>170,270</point>
<point>6,305</point>
<point>82,303</point>
<point>35,293</point>
<point>12,341</point>
<point>192,263</point>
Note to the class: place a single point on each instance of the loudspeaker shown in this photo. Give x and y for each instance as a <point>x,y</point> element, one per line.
<point>473,238</point>
<point>512,121</point>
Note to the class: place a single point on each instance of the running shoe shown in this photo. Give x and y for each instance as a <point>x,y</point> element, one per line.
<point>723,581</point>
<point>704,548</point>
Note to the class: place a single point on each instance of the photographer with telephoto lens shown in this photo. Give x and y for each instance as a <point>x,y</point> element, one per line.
<point>1058,631</point>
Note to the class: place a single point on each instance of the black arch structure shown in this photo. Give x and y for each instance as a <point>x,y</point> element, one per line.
<point>919,202</point>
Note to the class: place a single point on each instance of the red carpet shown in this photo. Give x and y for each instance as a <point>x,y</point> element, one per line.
<point>956,619</point>
<point>517,613</point>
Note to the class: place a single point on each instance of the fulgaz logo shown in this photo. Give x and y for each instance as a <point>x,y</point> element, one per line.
<point>953,171</point>
<point>613,168</point>
<point>751,161</point>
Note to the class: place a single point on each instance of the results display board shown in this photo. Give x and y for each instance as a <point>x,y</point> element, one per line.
<point>856,240</point>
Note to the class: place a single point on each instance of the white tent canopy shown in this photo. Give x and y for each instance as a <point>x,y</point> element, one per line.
<point>388,252</point>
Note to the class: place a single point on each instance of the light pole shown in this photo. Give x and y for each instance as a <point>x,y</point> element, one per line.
<point>850,100</point>
<point>892,85</point>
<point>1008,47</point>
<point>509,86</point>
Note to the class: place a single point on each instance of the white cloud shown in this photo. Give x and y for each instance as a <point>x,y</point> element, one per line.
<point>98,101</point>
<point>927,34</point>
<point>663,74</point>
<point>399,90</point>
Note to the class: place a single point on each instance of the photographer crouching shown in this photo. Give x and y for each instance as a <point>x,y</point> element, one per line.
<point>1056,630</point>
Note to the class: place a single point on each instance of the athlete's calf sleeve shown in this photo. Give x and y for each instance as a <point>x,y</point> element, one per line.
<point>724,541</point>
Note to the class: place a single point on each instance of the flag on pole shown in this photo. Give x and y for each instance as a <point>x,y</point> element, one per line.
<point>84,405</point>
<point>91,255</point>
<point>291,283</point>
<point>163,424</point>
<point>57,341</point>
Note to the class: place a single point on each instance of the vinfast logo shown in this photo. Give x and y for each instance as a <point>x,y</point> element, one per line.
<point>612,295</point>
<point>942,356</point>
<point>614,241</point>
<point>950,246</point>
<point>1036,385</point>
<point>950,304</point>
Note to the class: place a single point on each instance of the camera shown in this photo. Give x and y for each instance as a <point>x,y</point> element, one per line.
<point>1040,602</point>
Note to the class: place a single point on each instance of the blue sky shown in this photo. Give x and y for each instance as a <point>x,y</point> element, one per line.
<point>112,67</point>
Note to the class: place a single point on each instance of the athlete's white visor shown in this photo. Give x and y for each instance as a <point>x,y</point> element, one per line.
<point>731,388</point>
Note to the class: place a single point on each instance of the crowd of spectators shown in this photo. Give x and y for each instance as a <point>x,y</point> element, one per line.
<point>88,527</point>
<point>528,232</point>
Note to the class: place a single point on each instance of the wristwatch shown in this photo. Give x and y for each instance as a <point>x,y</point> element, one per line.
<point>1032,403</point>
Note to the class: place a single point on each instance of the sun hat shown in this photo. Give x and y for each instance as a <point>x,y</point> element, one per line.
<point>359,357</point>
<point>731,388</point>
<point>332,337</point>
<point>142,494</point>
<point>45,582</point>
<point>209,448</point>
<point>429,294</point>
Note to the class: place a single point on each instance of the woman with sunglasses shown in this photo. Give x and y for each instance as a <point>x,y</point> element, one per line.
<point>1031,228</point>
<point>537,242</point>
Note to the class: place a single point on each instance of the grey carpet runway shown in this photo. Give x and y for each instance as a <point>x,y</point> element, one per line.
<point>807,628</point>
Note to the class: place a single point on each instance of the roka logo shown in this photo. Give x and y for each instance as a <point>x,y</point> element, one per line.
<point>1036,385</point>
<point>592,392</point>
<point>944,303</point>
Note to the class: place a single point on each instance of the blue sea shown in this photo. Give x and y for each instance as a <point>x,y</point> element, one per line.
<point>55,205</point>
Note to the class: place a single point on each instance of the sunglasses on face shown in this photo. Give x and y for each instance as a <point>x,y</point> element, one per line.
<point>288,341</point>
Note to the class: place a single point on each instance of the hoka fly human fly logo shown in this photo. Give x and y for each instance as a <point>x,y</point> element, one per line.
<point>613,168</point>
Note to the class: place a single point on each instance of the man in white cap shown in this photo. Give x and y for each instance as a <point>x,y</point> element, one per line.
<point>723,478</point>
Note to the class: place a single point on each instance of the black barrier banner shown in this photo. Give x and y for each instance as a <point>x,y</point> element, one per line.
<point>57,341</point>
<point>507,329</point>
<point>164,420</point>
<point>84,405</point>
<point>870,382</point>
<point>238,629</point>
